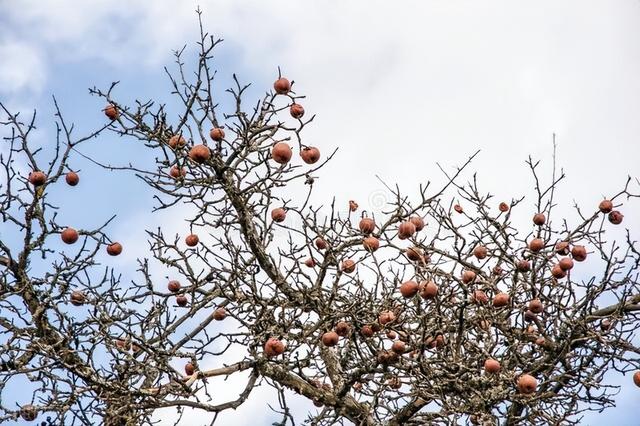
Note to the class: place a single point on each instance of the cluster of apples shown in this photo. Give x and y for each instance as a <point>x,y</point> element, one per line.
<point>69,235</point>
<point>370,242</point>
<point>398,347</point>
<point>526,383</point>
<point>563,248</point>
<point>331,338</point>
<point>174,286</point>
<point>38,178</point>
<point>198,153</point>
<point>615,217</point>
<point>281,152</point>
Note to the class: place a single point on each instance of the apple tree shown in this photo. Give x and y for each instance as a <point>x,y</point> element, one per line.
<point>436,309</point>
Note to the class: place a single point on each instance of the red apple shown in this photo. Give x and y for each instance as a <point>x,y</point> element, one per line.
<point>282,86</point>
<point>386,317</point>
<point>367,225</point>
<point>177,141</point>
<point>37,178</point>
<point>562,248</point>
<point>468,276</point>
<point>371,244</point>
<point>428,290</point>
<point>418,222</point>
<point>566,263</point>
<point>69,236</point>
<point>539,219</point>
<point>536,245</point>
<point>174,286</point>
<point>111,111</point>
<point>274,347</point>
<point>72,178</point>
<point>330,338</point>
<point>181,300</point>
<point>500,300</point>
<point>527,384</point>
<point>310,155</point>
<point>78,298</point>
<point>348,266</point>
<point>529,316</point>
<point>409,289</point>
<point>28,412</point>
<point>480,297</point>
<point>278,214</point>
<point>342,328</point>
<point>399,347</point>
<point>219,314</point>
<point>321,243</point>
<point>281,153</point>
<point>616,217</point>
<point>114,249</point>
<point>176,172</point>
<point>414,253</point>
<point>189,369</point>
<point>387,357</point>
<point>535,306</point>
<point>523,265</point>
<point>296,110</point>
<point>579,253</point>
<point>217,134</point>
<point>491,366</point>
<point>200,153</point>
<point>366,331</point>
<point>557,272</point>
<point>605,206</point>
<point>192,240</point>
<point>480,252</point>
<point>406,230</point>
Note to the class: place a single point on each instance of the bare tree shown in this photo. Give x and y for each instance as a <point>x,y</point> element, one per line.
<point>433,310</point>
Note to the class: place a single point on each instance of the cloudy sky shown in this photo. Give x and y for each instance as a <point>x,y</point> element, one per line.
<point>396,86</point>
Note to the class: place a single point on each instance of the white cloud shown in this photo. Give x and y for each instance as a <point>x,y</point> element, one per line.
<point>39,34</point>
<point>22,67</point>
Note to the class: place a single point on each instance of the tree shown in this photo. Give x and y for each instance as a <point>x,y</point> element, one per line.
<point>433,311</point>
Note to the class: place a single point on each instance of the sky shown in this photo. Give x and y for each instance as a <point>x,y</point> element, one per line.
<point>396,86</point>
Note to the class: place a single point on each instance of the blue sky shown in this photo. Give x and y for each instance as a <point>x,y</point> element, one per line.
<point>396,87</point>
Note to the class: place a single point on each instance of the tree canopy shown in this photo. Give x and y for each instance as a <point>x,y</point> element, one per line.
<point>436,309</point>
